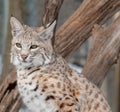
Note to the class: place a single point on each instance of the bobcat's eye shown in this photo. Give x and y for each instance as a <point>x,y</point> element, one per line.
<point>33,46</point>
<point>18,45</point>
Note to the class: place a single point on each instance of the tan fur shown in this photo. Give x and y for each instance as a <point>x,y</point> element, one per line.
<point>45,81</point>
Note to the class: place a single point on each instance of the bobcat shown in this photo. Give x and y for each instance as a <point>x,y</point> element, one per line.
<point>45,81</point>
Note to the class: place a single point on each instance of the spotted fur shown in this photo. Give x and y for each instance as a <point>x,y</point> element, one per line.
<point>45,81</point>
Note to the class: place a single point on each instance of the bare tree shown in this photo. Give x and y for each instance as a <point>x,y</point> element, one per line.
<point>104,50</point>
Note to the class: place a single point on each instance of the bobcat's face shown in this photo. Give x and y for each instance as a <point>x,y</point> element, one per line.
<point>30,47</point>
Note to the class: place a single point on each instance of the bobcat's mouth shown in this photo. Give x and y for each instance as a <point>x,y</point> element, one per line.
<point>26,61</point>
<point>23,61</point>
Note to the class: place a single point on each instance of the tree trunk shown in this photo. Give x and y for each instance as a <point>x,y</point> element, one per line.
<point>79,26</point>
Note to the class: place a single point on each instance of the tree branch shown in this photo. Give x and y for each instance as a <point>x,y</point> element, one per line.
<point>51,11</point>
<point>104,52</point>
<point>78,27</point>
<point>10,100</point>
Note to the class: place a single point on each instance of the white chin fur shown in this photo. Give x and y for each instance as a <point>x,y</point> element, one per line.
<point>19,64</point>
<point>15,61</point>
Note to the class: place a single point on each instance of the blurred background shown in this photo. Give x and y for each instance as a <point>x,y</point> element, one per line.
<point>30,12</point>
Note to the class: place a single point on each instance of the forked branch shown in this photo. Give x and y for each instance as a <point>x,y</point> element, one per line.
<point>104,52</point>
<point>78,27</point>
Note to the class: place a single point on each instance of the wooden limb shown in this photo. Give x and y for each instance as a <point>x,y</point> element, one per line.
<point>78,27</point>
<point>10,100</point>
<point>104,52</point>
<point>51,11</point>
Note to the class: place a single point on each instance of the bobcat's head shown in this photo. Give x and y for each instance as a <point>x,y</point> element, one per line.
<point>31,46</point>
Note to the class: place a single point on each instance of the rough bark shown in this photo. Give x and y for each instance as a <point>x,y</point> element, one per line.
<point>9,98</point>
<point>51,12</point>
<point>79,26</point>
<point>104,52</point>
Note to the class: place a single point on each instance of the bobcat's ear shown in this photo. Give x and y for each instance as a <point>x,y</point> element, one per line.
<point>16,26</point>
<point>48,32</point>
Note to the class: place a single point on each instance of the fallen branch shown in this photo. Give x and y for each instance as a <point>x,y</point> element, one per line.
<point>77,29</point>
<point>10,100</point>
<point>104,52</point>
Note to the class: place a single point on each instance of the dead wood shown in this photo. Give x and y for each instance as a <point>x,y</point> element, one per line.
<point>51,11</point>
<point>104,52</point>
<point>68,38</point>
<point>10,100</point>
<point>78,27</point>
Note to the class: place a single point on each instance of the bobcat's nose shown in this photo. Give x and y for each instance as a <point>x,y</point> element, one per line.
<point>23,56</point>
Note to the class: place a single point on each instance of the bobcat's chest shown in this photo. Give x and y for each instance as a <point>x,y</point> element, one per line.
<point>32,95</point>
